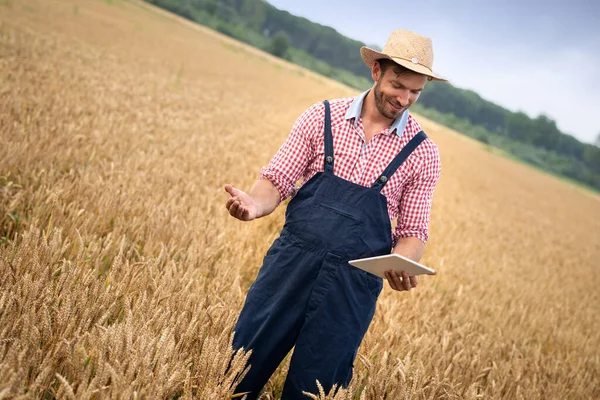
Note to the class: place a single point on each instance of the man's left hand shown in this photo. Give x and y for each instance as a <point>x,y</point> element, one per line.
<point>401,282</point>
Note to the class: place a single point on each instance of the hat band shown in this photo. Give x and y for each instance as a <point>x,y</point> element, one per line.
<point>413,60</point>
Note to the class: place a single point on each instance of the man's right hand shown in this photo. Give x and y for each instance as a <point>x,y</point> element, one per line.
<point>240,205</point>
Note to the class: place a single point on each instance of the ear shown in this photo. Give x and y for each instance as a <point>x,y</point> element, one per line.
<point>376,71</point>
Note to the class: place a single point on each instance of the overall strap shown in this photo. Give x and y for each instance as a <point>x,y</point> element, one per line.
<point>328,141</point>
<point>398,160</point>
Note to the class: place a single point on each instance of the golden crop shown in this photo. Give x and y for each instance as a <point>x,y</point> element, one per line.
<point>121,273</point>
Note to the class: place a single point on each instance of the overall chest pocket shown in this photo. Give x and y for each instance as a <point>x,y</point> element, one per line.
<point>338,225</point>
<point>342,212</point>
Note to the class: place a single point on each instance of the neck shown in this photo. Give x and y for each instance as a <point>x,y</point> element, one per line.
<point>373,121</point>
<point>370,114</point>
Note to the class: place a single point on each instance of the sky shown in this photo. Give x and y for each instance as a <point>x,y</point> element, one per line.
<point>539,57</point>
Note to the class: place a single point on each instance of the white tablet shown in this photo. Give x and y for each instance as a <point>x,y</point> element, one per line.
<point>378,265</point>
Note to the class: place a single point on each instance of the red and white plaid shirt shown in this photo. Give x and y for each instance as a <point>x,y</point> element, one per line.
<point>409,191</point>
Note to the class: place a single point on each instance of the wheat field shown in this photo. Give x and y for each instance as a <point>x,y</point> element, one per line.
<point>122,274</point>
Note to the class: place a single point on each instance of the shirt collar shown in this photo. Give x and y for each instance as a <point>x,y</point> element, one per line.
<point>356,107</point>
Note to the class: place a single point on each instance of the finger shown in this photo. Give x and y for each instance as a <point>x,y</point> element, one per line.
<point>399,281</point>
<point>414,280</point>
<point>231,190</point>
<point>245,214</point>
<point>229,202</point>
<point>234,208</point>
<point>390,280</point>
<point>395,281</point>
<point>240,212</point>
<point>406,281</point>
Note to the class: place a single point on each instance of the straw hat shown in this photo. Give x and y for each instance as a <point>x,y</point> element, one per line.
<point>408,49</point>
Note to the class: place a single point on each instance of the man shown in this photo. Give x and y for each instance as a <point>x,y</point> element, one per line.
<point>364,161</point>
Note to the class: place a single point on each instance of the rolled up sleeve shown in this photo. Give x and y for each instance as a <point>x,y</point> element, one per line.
<point>415,204</point>
<point>295,154</point>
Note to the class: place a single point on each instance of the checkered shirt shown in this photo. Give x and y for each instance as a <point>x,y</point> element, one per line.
<point>409,191</point>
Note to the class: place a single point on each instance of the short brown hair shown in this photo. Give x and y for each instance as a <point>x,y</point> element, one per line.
<point>386,63</point>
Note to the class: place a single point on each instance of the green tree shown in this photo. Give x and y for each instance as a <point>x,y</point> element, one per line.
<point>280,44</point>
<point>254,13</point>
<point>545,132</point>
<point>519,127</point>
<point>211,6</point>
<point>591,154</point>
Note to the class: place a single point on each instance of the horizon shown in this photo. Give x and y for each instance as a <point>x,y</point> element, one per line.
<point>540,42</point>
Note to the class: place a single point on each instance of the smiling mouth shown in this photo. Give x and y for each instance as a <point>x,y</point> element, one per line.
<point>394,107</point>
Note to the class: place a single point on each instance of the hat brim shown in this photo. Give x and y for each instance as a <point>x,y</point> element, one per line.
<point>369,57</point>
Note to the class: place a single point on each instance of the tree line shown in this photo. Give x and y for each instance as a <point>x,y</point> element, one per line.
<point>324,50</point>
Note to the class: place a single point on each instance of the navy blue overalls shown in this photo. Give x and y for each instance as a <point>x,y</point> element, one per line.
<point>306,294</point>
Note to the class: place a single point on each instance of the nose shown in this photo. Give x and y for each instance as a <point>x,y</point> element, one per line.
<point>402,98</point>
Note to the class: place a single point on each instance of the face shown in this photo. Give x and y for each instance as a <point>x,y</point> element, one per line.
<point>394,93</point>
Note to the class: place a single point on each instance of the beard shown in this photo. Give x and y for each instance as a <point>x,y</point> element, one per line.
<point>381,102</point>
